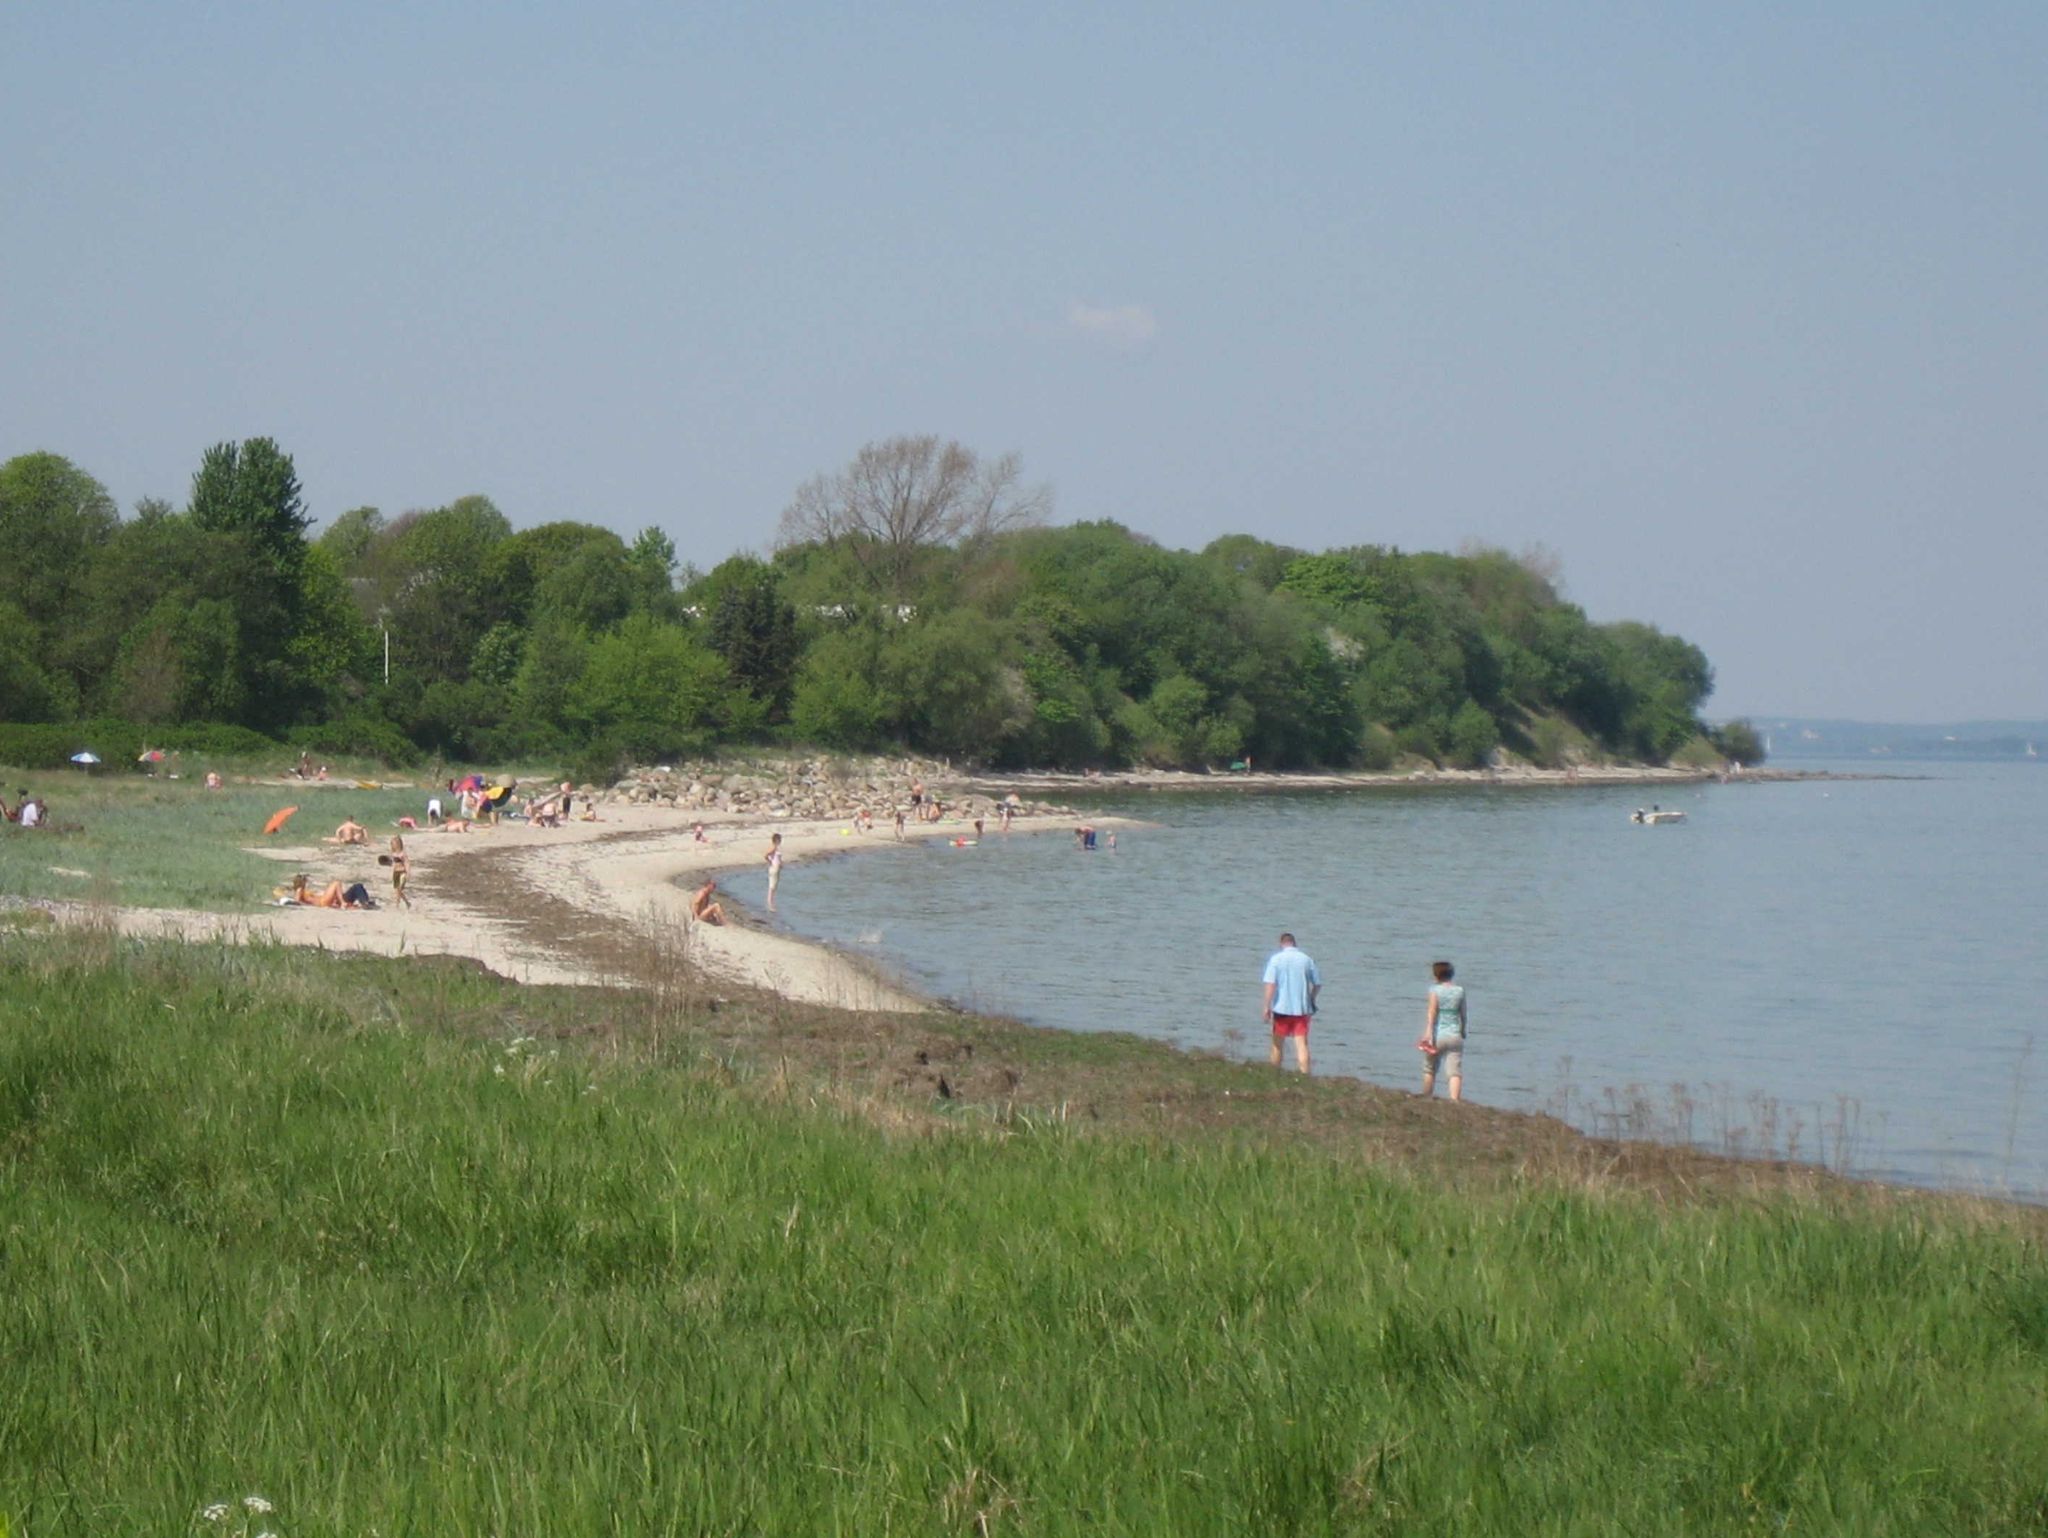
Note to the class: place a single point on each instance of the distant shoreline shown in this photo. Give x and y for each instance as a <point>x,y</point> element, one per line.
<point>1070,783</point>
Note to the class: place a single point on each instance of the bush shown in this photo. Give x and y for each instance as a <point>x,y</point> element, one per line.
<point>118,742</point>
<point>1549,743</point>
<point>603,762</point>
<point>38,747</point>
<point>1697,754</point>
<point>1738,741</point>
<point>1419,741</point>
<point>1376,749</point>
<point>210,739</point>
<point>1473,736</point>
<point>359,735</point>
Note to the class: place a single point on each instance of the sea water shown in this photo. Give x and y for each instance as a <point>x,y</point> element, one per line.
<point>1849,971</point>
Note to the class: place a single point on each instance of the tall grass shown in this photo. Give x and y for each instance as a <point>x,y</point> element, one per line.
<point>386,1244</point>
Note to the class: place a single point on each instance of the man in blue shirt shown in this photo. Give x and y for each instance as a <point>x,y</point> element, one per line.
<point>1292,983</point>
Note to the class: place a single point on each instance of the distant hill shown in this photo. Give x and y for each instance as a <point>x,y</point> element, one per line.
<point>1794,737</point>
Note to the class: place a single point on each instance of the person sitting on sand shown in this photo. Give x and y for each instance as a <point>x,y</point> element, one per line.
<point>350,832</point>
<point>697,832</point>
<point>31,812</point>
<point>213,779</point>
<point>704,906</point>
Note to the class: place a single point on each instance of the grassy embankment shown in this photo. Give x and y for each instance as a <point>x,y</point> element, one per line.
<point>410,1250</point>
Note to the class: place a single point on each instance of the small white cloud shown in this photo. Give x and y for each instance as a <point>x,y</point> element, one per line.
<point>1124,325</point>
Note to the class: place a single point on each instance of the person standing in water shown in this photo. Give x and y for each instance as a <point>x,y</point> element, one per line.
<point>1292,983</point>
<point>773,860</point>
<point>1443,1032</point>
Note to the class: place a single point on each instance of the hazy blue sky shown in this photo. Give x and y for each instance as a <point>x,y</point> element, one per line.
<point>1742,310</point>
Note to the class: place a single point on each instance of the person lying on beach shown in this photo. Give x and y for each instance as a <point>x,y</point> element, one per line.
<point>333,895</point>
<point>350,832</point>
<point>704,906</point>
<point>454,825</point>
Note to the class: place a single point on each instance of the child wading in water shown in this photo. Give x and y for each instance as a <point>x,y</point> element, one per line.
<point>1443,1032</point>
<point>401,867</point>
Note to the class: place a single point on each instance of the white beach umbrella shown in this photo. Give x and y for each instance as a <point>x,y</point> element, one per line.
<point>85,758</point>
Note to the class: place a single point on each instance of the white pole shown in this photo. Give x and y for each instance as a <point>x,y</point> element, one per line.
<point>387,653</point>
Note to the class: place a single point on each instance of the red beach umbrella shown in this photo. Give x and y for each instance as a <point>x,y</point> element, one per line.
<point>279,819</point>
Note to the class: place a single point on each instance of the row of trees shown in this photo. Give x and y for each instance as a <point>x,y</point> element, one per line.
<point>916,597</point>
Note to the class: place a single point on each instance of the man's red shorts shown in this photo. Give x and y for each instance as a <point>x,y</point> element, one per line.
<point>1290,1025</point>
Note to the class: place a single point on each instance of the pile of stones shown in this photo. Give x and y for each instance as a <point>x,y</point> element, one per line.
<point>813,788</point>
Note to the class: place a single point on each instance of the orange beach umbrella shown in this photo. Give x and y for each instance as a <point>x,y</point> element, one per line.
<point>279,819</point>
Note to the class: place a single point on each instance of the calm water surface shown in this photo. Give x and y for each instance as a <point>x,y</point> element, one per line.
<point>1861,960</point>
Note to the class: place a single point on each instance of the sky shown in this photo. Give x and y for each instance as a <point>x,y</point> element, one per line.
<point>1739,310</point>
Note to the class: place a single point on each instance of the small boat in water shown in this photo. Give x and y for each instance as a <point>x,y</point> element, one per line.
<point>1654,816</point>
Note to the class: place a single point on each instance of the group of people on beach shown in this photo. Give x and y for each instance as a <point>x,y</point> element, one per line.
<point>1293,982</point>
<point>705,908</point>
<point>336,894</point>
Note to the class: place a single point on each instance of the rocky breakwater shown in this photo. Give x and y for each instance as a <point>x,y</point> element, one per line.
<point>816,789</point>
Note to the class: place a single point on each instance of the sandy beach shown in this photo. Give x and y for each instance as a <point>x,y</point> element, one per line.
<point>568,905</point>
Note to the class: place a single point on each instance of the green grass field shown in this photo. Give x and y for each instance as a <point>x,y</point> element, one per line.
<point>407,1250</point>
<point>159,843</point>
